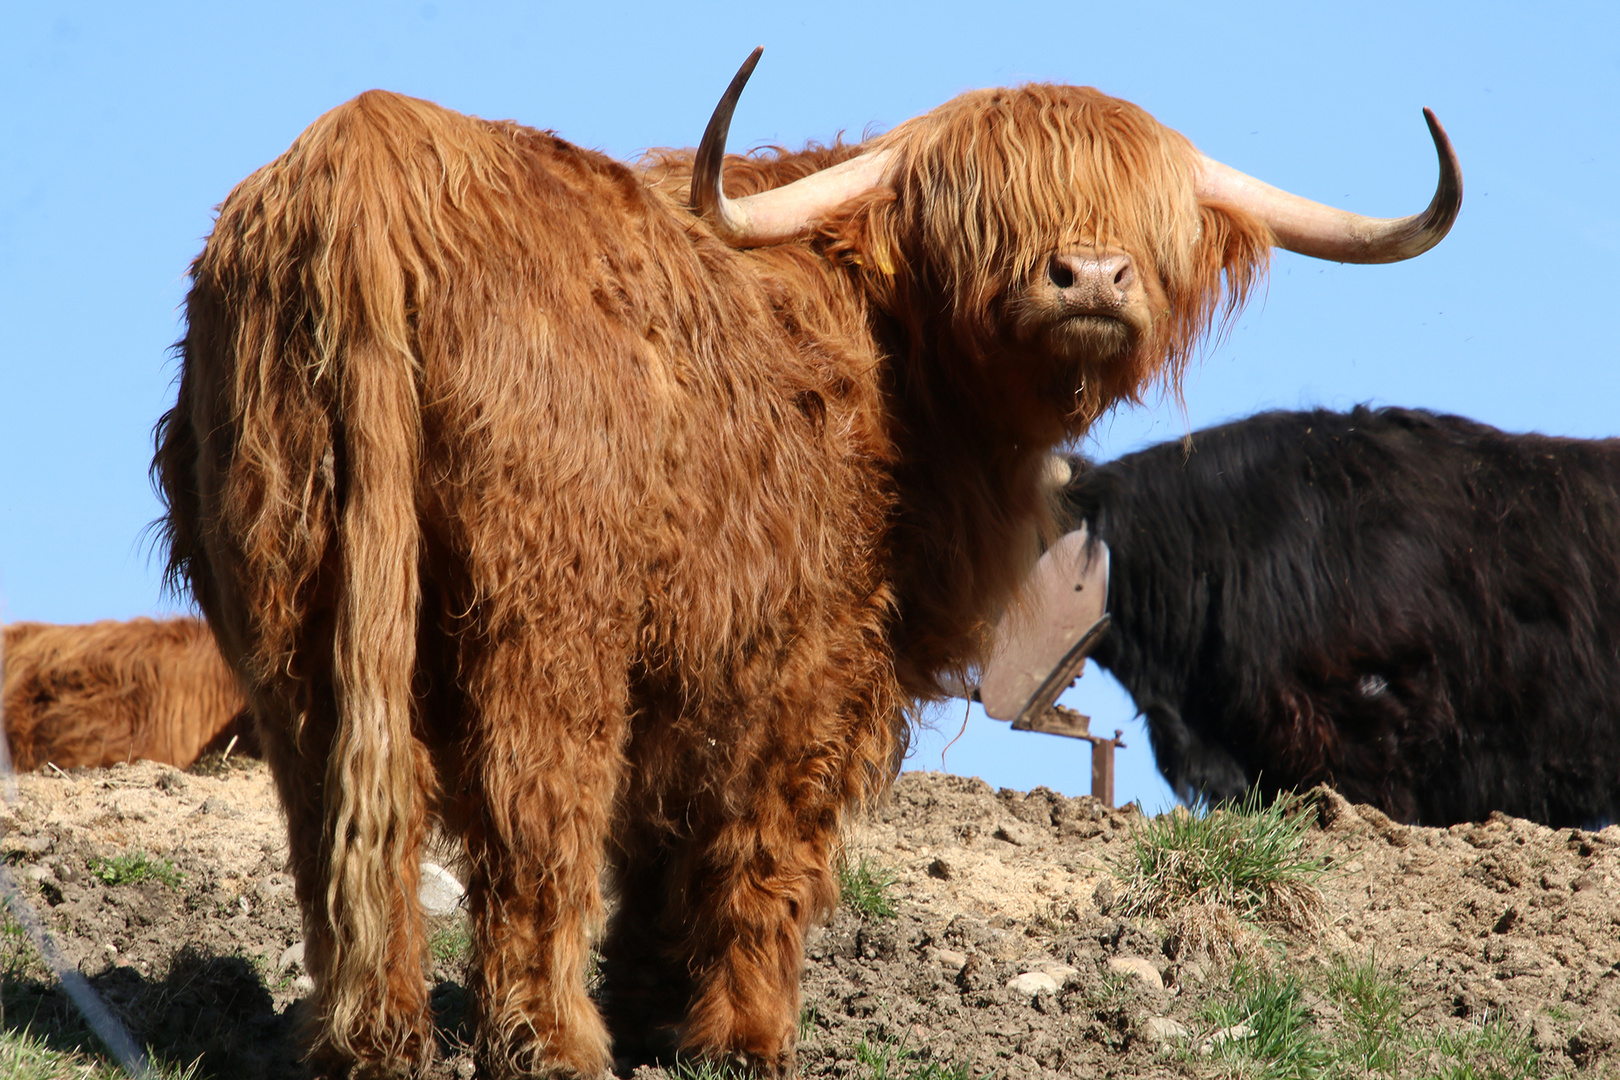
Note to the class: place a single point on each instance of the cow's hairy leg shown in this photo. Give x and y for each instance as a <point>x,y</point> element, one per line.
<point>766,874</point>
<point>395,1036</point>
<point>543,780</point>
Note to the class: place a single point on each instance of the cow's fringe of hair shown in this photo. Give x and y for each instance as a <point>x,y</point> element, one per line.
<point>976,210</point>
<point>981,196</point>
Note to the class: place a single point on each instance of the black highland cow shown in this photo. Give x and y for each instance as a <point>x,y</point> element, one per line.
<point>1419,609</point>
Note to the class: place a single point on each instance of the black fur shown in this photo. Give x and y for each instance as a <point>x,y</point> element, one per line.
<point>1419,609</point>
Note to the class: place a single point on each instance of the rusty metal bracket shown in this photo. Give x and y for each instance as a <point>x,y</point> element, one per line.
<point>1058,720</point>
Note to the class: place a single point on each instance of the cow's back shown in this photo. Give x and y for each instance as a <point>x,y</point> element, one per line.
<point>1420,608</point>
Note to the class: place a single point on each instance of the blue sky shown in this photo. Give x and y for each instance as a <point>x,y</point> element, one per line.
<point>123,125</point>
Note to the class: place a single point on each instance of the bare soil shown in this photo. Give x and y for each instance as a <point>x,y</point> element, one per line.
<point>1002,956</point>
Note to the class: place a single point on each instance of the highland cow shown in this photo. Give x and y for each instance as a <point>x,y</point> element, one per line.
<point>116,691</point>
<point>1417,609</point>
<point>603,528</point>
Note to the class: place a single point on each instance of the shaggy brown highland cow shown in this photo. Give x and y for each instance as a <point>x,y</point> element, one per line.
<point>595,526</point>
<point>116,691</point>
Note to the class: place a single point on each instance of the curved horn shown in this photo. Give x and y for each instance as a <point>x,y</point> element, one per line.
<point>781,213</point>
<point>1323,232</point>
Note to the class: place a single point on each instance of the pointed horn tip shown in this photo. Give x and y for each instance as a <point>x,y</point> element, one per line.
<point>1447,204</point>
<point>707,196</point>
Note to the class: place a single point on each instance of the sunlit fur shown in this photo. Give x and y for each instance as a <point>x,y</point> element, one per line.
<point>523,504</point>
<point>108,692</point>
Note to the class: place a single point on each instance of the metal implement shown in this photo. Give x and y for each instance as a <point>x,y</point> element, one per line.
<point>1040,649</point>
<point>1041,644</point>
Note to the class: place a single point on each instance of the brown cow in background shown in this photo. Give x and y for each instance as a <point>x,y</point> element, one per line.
<point>115,691</point>
<point>531,501</point>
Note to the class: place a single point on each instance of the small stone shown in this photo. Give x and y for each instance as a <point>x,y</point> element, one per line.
<point>273,888</point>
<point>1031,983</point>
<point>38,874</point>
<point>1061,973</point>
<point>1236,1031</point>
<point>304,984</point>
<point>951,960</point>
<point>440,893</point>
<point>218,807</point>
<point>292,956</point>
<point>1162,1029</point>
<point>1138,968</point>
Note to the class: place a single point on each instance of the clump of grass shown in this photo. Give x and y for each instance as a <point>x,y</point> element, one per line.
<point>707,1070</point>
<point>1237,862</point>
<point>893,1060</point>
<point>25,1056</point>
<point>1270,1033</point>
<point>451,944</point>
<point>1374,1005</point>
<point>864,888</point>
<point>808,1015</point>
<point>1492,1049</point>
<point>133,867</point>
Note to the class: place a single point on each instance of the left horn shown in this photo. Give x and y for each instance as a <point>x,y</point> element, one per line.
<point>1324,232</point>
<point>781,213</point>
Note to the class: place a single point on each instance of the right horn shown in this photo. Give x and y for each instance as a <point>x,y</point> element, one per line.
<point>1324,232</point>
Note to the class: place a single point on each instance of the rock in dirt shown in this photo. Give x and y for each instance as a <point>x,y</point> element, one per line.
<point>1162,1029</point>
<point>1137,968</point>
<point>291,957</point>
<point>440,892</point>
<point>1031,983</point>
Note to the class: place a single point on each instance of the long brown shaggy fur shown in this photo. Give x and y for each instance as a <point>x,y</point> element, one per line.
<point>115,691</point>
<point>524,505</point>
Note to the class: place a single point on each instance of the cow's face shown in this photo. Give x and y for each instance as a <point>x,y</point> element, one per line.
<point>1060,234</point>
<point>1059,249</point>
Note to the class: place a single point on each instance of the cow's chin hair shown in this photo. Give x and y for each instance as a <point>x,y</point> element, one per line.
<point>1078,347</point>
<point>1087,340</point>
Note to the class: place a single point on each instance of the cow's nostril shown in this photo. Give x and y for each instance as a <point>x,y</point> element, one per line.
<point>1060,273</point>
<point>1124,275</point>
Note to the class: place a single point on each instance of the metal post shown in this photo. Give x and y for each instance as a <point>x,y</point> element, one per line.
<point>1102,766</point>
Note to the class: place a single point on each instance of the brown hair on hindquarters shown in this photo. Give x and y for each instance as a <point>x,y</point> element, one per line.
<point>106,692</point>
<point>520,500</point>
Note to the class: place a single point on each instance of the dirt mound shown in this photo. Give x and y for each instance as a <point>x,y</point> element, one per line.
<point>998,955</point>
